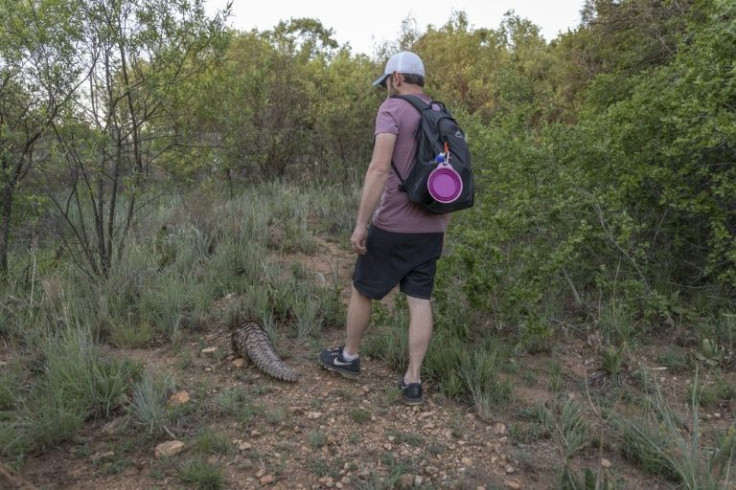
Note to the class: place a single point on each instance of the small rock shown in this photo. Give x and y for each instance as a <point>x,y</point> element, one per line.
<point>406,481</point>
<point>467,461</point>
<point>418,480</point>
<point>179,398</point>
<point>245,446</point>
<point>509,469</point>
<point>314,415</point>
<point>327,481</point>
<point>499,429</point>
<point>98,456</point>
<point>266,480</point>
<point>717,415</point>
<point>239,362</point>
<point>208,351</point>
<point>169,448</point>
<point>512,484</point>
<point>605,463</point>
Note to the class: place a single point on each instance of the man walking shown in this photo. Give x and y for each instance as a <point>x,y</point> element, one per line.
<point>396,241</point>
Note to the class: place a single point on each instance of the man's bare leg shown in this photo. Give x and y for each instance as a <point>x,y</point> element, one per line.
<point>358,317</point>
<point>420,335</point>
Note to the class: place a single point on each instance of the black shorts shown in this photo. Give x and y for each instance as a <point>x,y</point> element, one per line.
<point>406,259</point>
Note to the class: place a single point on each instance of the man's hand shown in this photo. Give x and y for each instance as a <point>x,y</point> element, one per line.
<point>358,239</point>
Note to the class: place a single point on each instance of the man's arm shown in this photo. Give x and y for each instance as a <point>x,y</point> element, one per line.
<point>373,184</point>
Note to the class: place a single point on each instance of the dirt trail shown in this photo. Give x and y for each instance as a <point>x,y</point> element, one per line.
<point>324,431</point>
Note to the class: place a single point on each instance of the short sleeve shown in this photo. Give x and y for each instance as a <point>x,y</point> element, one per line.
<point>386,118</point>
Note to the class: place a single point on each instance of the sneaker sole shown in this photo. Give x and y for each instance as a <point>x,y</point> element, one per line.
<point>412,403</point>
<point>347,374</point>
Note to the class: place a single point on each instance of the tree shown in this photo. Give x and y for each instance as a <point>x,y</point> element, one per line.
<point>138,54</point>
<point>39,74</point>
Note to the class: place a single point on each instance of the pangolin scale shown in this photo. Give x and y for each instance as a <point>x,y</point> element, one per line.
<point>249,340</point>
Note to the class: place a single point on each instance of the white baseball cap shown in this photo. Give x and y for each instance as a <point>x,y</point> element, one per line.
<point>403,62</point>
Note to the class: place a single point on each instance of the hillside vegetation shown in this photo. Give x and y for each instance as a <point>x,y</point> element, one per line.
<point>154,165</point>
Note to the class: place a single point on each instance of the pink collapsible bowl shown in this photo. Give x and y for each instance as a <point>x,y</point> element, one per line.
<point>444,184</point>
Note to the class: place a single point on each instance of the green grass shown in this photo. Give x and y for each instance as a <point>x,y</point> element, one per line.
<point>321,467</point>
<point>150,402</point>
<point>75,383</point>
<point>676,360</point>
<point>276,415</point>
<point>409,438</point>
<point>192,265</point>
<point>211,442</point>
<point>317,439</point>
<point>657,442</point>
<point>202,475</point>
<point>489,391</point>
<point>359,415</point>
<point>230,401</point>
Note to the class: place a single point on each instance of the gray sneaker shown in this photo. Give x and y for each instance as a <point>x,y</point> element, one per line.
<point>411,392</point>
<point>333,360</point>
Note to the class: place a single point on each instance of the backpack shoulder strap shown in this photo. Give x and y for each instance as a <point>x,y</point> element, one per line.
<point>402,187</point>
<point>418,103</point>
<point>420,106</point>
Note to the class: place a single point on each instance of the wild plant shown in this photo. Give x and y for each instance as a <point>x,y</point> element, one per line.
<point>659,444</point>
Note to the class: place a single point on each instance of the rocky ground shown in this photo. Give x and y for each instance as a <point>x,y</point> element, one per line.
<point>326,431</point>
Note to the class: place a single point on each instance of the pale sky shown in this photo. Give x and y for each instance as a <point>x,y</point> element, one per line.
<point>366,24</point>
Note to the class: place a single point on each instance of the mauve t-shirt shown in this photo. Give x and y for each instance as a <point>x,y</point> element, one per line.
<point>395,212</point>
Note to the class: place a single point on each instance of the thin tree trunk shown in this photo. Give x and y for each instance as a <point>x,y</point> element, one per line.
<point>6,209</point>
<point>6,213</point>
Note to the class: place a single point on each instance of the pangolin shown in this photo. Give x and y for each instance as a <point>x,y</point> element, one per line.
<point>249,340</point>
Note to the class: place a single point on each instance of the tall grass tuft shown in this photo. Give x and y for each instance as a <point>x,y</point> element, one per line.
<point>77,373</point>
<point>658,444</point>
<point>76,383</point>
<point>150,402</point>
<point>202,475</point>
<point>442,363</point>
<point>479,370</point>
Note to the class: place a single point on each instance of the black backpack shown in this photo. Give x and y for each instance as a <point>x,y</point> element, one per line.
<point>437,132</point>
